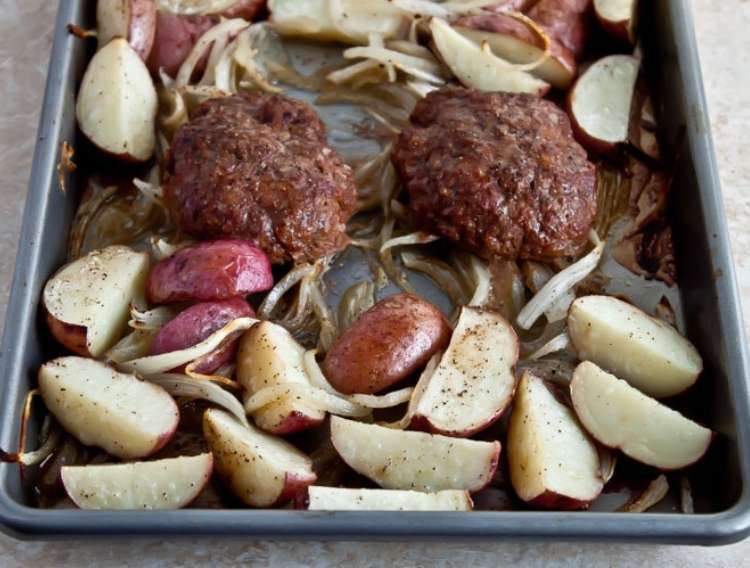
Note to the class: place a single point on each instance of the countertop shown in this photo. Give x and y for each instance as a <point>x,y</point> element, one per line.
<point>723,28</point>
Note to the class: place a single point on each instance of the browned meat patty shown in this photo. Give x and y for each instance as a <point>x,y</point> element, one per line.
<point>498,172</point>
<point>257,166</point>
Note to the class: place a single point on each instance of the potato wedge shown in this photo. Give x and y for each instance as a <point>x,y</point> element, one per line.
<point>169,483</point>
<point>617,18</point>
<point>134,20</point>
<point>645,351</point>
<point>397,459</point>
<point>119,413</point>
<point>386,344</point>
<point>269,356</point>
<point>260,469</point>
<point>566,21</point>
<point>621,417</point>
<point>474,382</point>
<point>87,301</point>
<point>553,462</point>
<point>212,270</point>
<point>117,103</point>
<point>477,67</point>
<point>342,499</point>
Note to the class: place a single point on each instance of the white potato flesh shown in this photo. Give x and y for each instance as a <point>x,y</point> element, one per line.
<point>397,459</point>
<point>161,484</point>
<point>117,103</point>
<point>318,19</point>
<point>119,413</point>
<point>91,297</point>
<point>479,68</point>
<point>553,462</point>
<point>341,499</point>
<point>112,20</point>
<point>474,382</point>
<point>602,97</point>
<point>557,73</point>
<point>260,469</point>
<point>645,351</point>
<point>269,356</point>
<point>619,416</point>
<point>617,17</point>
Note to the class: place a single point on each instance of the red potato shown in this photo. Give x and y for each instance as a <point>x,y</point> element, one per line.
<point>617,18</point>
<point>134,20</point>
<point>514,41</point>
<point>197,323</point>
<point>262,470</point>
<point>386,344</point>
<point>175,37</point>
<point>215,270</point>
<point>565,21</point>
<point>246,9</point>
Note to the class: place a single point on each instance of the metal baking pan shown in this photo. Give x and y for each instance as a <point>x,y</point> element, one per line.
<point>721,400</point>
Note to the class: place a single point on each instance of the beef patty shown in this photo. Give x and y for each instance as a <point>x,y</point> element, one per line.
<point>498,172</point>
<point>257,166</point>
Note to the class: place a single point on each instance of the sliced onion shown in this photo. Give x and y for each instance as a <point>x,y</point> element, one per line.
<point>653,494</point>
<point>418,238</point>
<point>133,346</point>
<point>221,33</point>
<point>686,496</point>
<point>557,343</point>
<point>150,190</point>
<point>250,45</point>
<point>442,274</point>
<point>318,380</point>
<point>326,318</point>
<point>49,431</point>
<point>311,395</point>
<point>559,284</point>
<point>443,10</point>
<point>181,385</point>
<point>162,363</point>
<point>218,378</point>
<point>85,214</point>
<point>351,71</point>
<point>151,320</point>
<point>410,48</point>
<point>291,279</point>
<point>607,463</point>
<point>357,299</point>
<point>415,66</point>
<point>482,282</point>
<point>161,249</point>
<point>194,7</point>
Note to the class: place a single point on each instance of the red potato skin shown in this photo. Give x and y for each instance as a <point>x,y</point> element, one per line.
<point>566,21</point>
<point>197,323</point>
<point>175,36</point>
<point>71,336</point>
<point>209,271</point>
<point>552,500</point>
<point>142,30</point>
<point>246,9</point>
<point>388,342</point>
<point>294,486</point>
<point>294,422</point>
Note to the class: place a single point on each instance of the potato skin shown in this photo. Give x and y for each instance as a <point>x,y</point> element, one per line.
<point>215,270</point>
<point>388,342</point>
<point>174,39</point>
<point>197,323</point>
<point>142,26</point>
<point>69,335</point>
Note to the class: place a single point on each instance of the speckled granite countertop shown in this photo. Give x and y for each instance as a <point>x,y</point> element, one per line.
<point>723,28</point>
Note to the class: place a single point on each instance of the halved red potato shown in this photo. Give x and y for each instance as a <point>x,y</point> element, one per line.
<point>174,39</point>
<point>87,302</point>
<point>215,270</point>
<point>565,21</point>
<point>474,382</point>
<point>117,103</point>
<point>342,499</point>
<point>619,416</point>
<point>514,41</point>
<point>386,344</point>
<point>117,412</point>
<point>134,20</point>
<point>397,459</point>
<point>477,67</point>
<point>170,483</point>
<point>617,18</point>
<point>198,322</point>
<point>600,102</point>
<point>260,469</point>
<point>553,462</point>
<point>268,357</point>
<point>317,19</point>
<point>645,351</point>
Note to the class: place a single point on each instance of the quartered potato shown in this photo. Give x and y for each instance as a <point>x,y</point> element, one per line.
<point>88,301</point>
<point>553,462</point>
<point>262,470</point>
<point>134,20</point>
<point>617,18</point>
<point>619,416</point>
<point>647,352</point>
<point>342,499</point>
<point>269,357</point>
<point>396,459</point>
<point>161,484</point>
<point>474,382</point>
<point>127,417</point>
